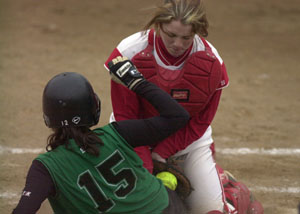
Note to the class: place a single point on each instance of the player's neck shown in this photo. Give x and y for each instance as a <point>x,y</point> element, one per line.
<point>166,57</point>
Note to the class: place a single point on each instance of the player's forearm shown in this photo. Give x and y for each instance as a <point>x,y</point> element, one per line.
<point>152,130</point>
<point>164,104</point>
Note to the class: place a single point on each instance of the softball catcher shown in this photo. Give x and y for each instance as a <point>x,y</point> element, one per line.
<point>172,52</point>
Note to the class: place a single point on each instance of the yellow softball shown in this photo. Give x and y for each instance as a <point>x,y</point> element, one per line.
<point>168,179</point>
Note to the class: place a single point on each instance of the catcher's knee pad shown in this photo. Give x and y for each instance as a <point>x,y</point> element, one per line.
<point>238,194</point>
<point>240,197</point>
<point>255,208</point>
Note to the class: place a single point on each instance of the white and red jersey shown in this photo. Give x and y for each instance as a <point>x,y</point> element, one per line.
<point>142,48</point>
<point>137,42</point>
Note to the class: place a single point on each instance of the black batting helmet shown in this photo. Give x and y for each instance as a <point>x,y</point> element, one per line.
<point>69,100</point>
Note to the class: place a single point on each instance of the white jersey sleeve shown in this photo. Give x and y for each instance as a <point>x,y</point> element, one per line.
<point>133,44</point>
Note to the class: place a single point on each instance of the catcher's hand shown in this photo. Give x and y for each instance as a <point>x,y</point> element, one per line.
<point>184,187</point>
<point>124,72</point>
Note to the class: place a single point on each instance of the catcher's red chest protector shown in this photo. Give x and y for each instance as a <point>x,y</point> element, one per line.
<point>192,86</point>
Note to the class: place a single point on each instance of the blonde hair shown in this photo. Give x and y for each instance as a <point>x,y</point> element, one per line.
<point>188,12</point>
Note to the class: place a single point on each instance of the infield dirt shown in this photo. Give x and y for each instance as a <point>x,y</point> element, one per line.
<point>258,40</point>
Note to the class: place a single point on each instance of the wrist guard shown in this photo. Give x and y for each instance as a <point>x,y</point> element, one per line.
<point>124,72</point>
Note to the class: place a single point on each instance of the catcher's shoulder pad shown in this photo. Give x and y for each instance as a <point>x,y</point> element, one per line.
<point>184,187</point>
<point>206,69</point>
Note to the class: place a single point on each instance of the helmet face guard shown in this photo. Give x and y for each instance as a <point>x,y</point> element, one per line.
<point>69,100</point>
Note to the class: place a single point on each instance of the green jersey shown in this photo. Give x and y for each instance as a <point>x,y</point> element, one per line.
<point>113,182</point>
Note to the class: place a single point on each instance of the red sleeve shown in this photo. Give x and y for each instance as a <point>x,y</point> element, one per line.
<point>125,103</point>
<point>192,131</point>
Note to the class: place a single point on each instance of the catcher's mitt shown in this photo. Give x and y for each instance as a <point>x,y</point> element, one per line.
<point>184,187</point>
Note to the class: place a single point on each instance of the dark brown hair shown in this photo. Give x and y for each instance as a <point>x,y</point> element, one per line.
<point>83,136</point>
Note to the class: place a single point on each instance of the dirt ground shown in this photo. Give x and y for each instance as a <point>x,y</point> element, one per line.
<point>258,40</point>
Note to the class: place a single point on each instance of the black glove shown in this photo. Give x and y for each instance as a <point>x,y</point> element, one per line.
<point>124,72</point>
